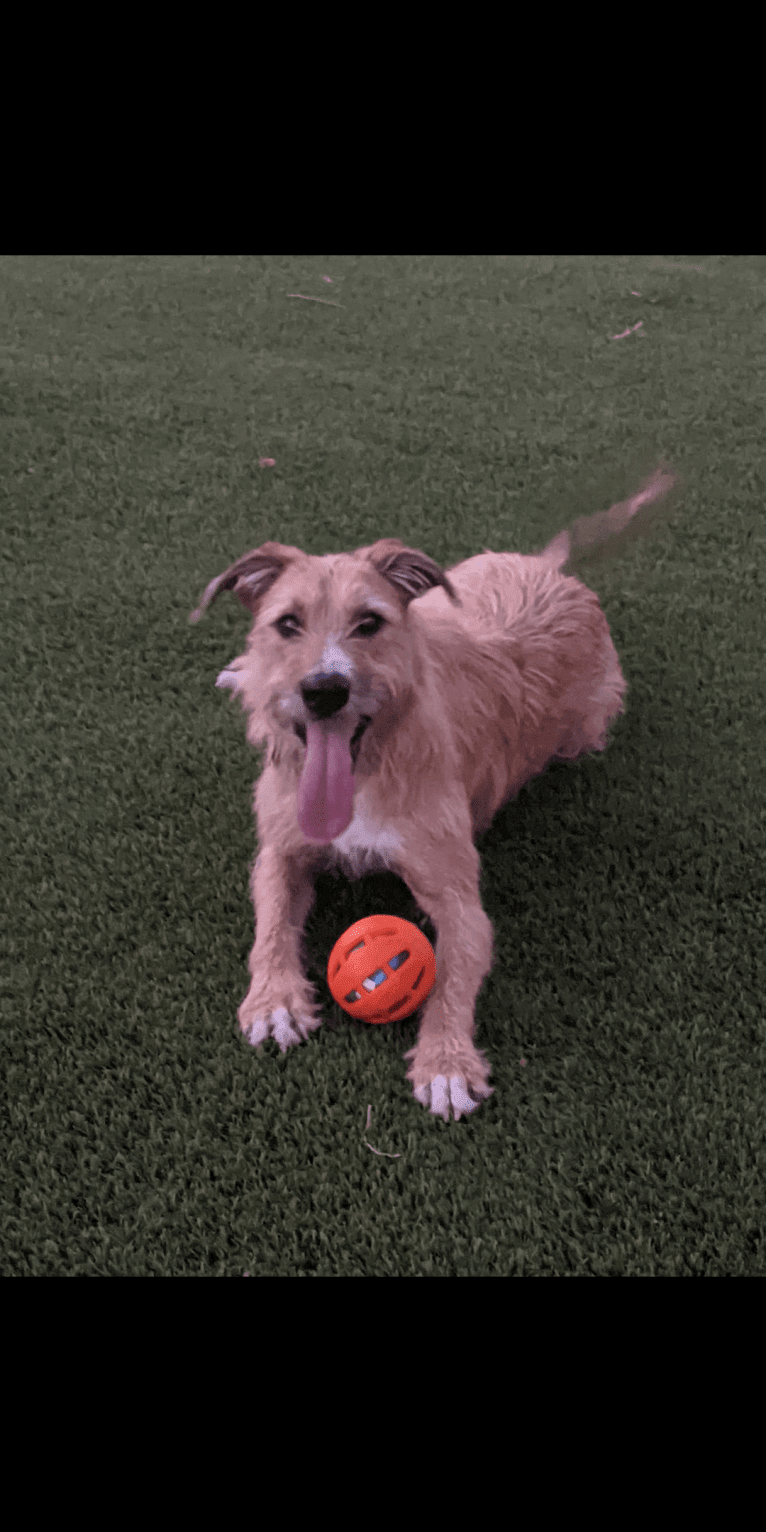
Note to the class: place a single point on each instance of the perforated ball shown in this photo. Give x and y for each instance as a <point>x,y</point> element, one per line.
<point>380,968</point>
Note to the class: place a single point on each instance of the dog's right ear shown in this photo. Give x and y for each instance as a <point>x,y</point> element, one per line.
<point>250,578</point>
<point>409,570</point>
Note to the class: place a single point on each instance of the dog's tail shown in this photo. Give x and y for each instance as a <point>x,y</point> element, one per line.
<point>607,531</point>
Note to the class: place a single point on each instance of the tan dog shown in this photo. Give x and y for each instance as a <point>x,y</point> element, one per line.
<point>401,707</point>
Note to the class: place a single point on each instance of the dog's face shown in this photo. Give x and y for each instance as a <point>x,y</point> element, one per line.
<point>329,657</point>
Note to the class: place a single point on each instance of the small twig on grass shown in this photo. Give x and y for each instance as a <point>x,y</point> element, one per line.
<point>370,1146</point>
<point>309,299</point>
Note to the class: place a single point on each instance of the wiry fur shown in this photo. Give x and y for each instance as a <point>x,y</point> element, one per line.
<point>475,680</point>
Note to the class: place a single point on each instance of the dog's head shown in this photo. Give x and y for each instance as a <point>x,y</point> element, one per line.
<point>329,655</point>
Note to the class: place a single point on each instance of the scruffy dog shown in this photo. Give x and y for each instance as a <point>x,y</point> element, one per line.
<point>401,706</point>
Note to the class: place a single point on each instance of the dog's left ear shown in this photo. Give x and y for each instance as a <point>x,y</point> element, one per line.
<point>411,572</point>
<point>250,577</point>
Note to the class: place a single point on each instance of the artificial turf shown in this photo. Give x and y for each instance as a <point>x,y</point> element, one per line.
<point>458,403</point>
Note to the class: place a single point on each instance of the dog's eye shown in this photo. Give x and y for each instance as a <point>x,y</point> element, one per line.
<point>288,625</point>
<point>370,625</point>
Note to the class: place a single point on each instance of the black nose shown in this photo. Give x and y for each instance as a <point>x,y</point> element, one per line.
<point>325,695</point>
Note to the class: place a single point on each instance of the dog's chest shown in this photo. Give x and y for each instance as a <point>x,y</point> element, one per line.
<point>365,845</point>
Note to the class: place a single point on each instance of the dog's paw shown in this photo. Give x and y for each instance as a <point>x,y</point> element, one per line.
<point>285,1009</point>
<point>443,1095</point>
<point>280,1024</point>
<point>286,1026</point>
<point>449,1080</point>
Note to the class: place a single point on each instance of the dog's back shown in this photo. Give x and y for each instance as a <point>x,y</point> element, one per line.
<point>525,669</point>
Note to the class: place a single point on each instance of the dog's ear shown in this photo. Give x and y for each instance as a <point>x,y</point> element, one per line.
<point>251,576</point>
<point>411,572</point>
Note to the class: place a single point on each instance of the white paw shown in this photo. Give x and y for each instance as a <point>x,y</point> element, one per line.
<point>280,1024</point>
<point>442,1094</point>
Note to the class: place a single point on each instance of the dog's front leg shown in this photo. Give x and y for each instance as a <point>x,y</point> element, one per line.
<point>447,1070</point>
<point>280,1002</point>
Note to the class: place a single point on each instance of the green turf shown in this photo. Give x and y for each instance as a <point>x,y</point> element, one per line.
<point>458,403</point>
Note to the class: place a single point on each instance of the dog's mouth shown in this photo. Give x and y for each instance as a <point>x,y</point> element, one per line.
<point>354,744</point>
<point>326,787</point>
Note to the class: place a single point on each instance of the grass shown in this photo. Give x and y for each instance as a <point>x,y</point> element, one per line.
<point>458,403</point>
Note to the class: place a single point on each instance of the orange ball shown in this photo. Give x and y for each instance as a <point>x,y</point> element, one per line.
<point>380,968</point>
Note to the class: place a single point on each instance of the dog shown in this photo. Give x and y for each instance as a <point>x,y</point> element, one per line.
<point>400,706</point>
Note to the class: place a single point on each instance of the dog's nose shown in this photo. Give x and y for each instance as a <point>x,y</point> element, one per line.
<point>325,695</point>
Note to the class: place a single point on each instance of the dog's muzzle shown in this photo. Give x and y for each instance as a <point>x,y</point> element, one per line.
<point>326,786</point>
<point>324,696</point>
<point>354,743</point>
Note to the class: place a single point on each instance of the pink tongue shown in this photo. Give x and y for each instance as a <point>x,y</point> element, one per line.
<point>326,787</point>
